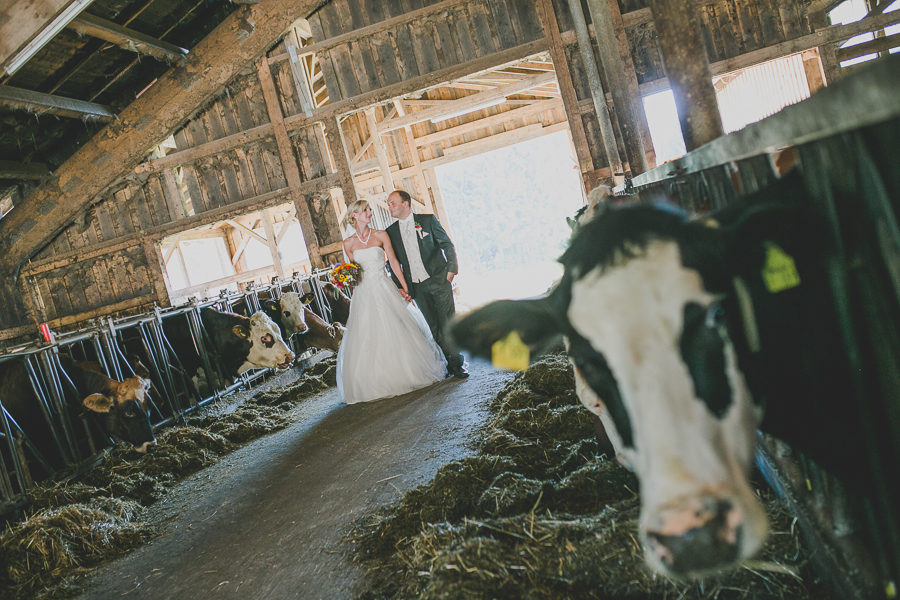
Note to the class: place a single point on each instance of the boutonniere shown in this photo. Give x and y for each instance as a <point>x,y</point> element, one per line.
<point>421,233</point>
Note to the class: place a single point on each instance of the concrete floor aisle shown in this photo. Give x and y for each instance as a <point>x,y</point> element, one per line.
<point>267,521</point>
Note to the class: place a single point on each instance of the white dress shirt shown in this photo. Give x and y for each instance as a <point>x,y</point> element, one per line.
<point>411,245</point>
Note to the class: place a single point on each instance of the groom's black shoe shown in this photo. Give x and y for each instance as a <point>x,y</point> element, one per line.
<point>459,372</point>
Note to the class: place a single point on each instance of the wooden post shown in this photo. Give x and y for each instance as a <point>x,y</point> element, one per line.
<point>413,149</point>
<point>289,161</point>
<point>385,168</point>
<point>831,68</point>
<point>566,89</point>
<point>172,192</point>
<point>341,161</point>
<point>613,59</point>
<point>815,75</point>
<point>687,65</point>
<point>272,242</point>
<point>158,273</point>
<point>599,96</point>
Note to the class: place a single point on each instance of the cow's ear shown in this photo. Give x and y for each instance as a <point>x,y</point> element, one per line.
<point>241,331</point>
<point>98,403</point>
<point>487,331</point>
<point>270,306</point>
<point>306,298</point>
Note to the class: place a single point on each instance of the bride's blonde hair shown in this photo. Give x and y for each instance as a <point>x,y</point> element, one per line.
<point>356,207</point>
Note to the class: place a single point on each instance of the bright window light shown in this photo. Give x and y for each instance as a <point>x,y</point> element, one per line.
<point>665,129</point>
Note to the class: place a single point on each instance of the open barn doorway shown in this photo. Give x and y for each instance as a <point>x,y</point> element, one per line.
<point>507,210</point>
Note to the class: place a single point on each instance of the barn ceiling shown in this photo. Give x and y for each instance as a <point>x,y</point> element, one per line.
<point>41,127</point>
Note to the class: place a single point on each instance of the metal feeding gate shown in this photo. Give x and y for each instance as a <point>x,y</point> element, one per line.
<point>120,348</point>
<point>843,141</point>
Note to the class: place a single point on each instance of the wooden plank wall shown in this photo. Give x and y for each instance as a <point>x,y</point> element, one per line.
<point>128,278</point>
<point>462,32</point>
<point>730,28</point>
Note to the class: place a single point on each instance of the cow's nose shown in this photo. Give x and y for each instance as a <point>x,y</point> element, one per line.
<point>145,447</point>
<point>703,537</point>
<point>301,328</point>
<point>286,360</point>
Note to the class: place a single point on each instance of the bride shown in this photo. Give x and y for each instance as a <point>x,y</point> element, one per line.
<point>387,349</point>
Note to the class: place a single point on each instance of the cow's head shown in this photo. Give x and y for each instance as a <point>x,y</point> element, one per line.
<point>293,312</point>
<point>654,307</point>
<point>267,347</point>
<point>123,408</point>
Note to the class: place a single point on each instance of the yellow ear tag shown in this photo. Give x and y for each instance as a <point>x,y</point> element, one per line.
<point>510,353</point>
<point>780,272</point>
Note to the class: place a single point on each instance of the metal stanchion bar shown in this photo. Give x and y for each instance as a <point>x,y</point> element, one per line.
<point>37,386</point>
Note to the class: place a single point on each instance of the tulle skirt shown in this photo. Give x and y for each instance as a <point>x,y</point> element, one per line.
<point>388,348</point>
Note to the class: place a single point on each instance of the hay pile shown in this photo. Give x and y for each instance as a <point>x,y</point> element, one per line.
<point>75,525</point>
<point>537,513</point>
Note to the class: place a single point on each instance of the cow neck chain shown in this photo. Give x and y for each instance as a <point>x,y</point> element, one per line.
<point>364,241</point>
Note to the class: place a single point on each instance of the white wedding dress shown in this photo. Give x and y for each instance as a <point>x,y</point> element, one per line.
<point>388,348</point>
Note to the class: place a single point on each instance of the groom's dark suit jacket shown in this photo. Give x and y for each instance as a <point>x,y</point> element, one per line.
<point>438,254</point>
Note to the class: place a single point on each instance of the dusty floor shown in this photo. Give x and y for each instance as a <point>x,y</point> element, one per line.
<point>267,521</point>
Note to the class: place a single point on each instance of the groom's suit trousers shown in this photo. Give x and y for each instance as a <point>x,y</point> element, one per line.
<point>434,297</point>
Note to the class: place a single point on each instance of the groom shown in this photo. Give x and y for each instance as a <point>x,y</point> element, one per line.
<point>428,259</point>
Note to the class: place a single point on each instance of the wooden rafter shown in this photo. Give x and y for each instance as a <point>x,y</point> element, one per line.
<point>240,39</point>
<point>127,39</point>
<point>473,100</point>
<point>15,170</point>
<point>37,102</point>
<point>20,22</point>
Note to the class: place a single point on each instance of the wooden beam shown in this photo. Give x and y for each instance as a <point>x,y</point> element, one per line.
<point>338,149</point>
<point>614,54</point>
<point>16,170</point>
<point>167,256</point>
<point>289,161</point>
<point>301,82</point>
<point>380,152</point>
<point>244,243</point>
<point>686,62</point>
<point>328,111</point>
<point>17,98</point>
<point>463,103</point>
<point>173,195</point>
<point>127,39</point>
<point>218,146</point>
<point>368,143</point>
<point>413,151</point>
<point>518,113</point>
<point>601,110</point>
<point>158,276</point>
<point>164,107</point>
<point>645,15</point>
<point>247,230</point>
<point>566,88</point>
<point>230,211</point>
<point>21,22</point>
<point>270,237</point>
<point>372,29</point>
<point>289,218</point>
<point>882,44</point>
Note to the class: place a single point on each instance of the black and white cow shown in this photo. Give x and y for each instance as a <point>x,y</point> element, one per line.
<point>238,343</point>
<point>119,409</point>
<point>681,332</point>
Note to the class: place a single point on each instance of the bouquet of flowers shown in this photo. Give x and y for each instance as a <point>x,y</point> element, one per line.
<point>345,277</point>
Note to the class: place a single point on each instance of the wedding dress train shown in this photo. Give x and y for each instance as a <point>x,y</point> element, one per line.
<point>387,349</point>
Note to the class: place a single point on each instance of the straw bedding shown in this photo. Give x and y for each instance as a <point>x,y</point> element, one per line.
<point>71,526</point>
<point>538,514</point>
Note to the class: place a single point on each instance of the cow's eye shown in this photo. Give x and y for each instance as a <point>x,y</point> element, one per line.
<point>287,313</point>
<point>266,338</point>
<point>129,414</point>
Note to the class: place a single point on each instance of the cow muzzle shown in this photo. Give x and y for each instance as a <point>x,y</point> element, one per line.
<point>301,328</point>
<point>146,446</point>
<point>287,361</point>
<point>706,534</point>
